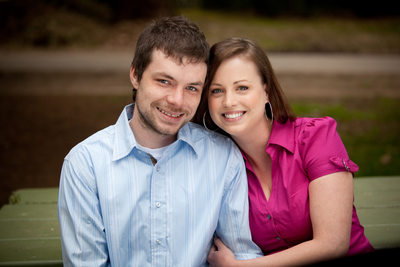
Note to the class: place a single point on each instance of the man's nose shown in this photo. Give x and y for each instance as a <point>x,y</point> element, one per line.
<point>176,97</point>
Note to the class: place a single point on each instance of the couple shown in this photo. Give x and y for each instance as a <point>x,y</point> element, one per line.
<point>157,190</point>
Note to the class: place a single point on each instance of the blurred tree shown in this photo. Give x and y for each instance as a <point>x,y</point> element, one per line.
<point>62,22</point>
<point>134,9</point>
<point>366,8</point>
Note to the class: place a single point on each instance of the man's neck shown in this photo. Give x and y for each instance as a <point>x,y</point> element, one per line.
<point>148,138</point>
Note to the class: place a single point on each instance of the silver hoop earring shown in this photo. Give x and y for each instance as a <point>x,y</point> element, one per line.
<point>268,111</point>
<point>204,122</point>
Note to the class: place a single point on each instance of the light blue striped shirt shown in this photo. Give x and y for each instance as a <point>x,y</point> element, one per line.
<point>117,208</point>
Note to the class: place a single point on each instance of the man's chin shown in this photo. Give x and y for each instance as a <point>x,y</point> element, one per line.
<point>170,130</point>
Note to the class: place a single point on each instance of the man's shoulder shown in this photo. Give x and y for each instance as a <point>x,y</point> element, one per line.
<point>207,142</point>
<point>100,140</point>
<point>198,133</point>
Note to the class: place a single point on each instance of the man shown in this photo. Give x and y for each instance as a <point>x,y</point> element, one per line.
<point>152,189</point>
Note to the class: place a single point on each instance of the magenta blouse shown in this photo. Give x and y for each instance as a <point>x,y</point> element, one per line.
<point>300,152</point>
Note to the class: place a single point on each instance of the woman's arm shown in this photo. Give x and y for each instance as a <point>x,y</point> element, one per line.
<point>331,203</point>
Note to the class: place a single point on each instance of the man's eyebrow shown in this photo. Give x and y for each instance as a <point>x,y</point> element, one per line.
<point>167,76</point>
<point>164,75</point>
<point>196,83</point>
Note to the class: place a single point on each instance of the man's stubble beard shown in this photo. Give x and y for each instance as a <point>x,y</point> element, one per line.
<point>147,123</point>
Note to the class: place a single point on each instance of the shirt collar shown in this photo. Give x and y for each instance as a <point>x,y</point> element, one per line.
<point>283,135</point>
<point>125,139</point>
<point>190,133</point>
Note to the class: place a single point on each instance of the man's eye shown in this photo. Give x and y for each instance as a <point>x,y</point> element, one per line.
<point>192,88</point>
<point>163,81</point>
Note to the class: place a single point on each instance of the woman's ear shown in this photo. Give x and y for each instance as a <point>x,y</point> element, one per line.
<point>133,78</point>
<point>266,94</point>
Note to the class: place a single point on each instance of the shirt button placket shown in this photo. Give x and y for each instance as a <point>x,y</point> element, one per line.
<point>159,216</point>
<point>269,217</point>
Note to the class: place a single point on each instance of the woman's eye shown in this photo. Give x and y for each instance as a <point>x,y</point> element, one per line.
<point>216,91</point>
<point>243,88</point>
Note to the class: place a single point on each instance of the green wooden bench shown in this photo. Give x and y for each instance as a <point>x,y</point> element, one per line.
<point>35,196</point>
<point>29,229</point>
<point>30,235</point>
<point>377,201</point>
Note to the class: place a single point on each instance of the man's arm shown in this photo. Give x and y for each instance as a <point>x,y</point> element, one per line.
<point>82,231</point>
<point>233,224</point>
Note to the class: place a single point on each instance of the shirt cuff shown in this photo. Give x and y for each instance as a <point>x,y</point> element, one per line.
<point>247,256</point>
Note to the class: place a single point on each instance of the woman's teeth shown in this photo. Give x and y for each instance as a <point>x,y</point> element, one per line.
<point>233,115</point>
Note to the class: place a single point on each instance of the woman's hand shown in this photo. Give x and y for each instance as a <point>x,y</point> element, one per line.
<point>220,255</point>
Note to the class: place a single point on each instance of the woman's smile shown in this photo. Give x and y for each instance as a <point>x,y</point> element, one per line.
<point>237,97</point>
<point>233,116</point>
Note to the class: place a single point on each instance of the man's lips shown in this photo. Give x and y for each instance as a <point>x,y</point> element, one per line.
<point>170,113</point>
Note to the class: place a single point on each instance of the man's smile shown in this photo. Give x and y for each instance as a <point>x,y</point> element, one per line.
<point>170,113</point>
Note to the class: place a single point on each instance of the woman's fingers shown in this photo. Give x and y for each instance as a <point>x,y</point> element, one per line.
<point>213,249</point>
<point>218,243</point>
<point>220,255</point>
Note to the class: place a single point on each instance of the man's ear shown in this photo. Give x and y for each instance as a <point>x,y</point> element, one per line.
<point>133,78</point>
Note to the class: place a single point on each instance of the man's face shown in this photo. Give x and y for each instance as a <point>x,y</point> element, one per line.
<point>168,94</point>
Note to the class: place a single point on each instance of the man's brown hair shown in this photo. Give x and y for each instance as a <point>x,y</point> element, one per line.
<point>176,37</point>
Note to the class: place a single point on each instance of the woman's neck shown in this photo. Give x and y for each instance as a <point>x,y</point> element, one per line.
<point>254,142</point>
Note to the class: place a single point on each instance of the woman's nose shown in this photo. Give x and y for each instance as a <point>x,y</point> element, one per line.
<point>229,99</point>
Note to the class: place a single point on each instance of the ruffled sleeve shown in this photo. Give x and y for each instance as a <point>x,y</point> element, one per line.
<point>322,149</point>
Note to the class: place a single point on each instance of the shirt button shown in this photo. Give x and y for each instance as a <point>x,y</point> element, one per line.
<point>158,168</point>
<point>158,204</point>
<point>158,241</point>
<point>269,216</point>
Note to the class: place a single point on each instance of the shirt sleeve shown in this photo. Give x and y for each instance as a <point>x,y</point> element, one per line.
<point>233,224</point>
<point>82,232</point>
<point>322,149</point>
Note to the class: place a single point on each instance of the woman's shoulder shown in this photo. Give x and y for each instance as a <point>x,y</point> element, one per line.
<point>321,147</point>
<point>314,125</point>
<point>313,131</point>
<point>314,122</point>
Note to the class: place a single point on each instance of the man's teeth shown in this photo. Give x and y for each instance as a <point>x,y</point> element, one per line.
<point>233,115</point>
<point>169,114</point>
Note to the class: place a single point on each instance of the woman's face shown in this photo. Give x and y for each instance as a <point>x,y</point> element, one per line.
<point>237,97</point>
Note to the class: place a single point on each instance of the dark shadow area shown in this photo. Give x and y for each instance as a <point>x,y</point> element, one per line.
<point>38,131</point>
<point>381,257</point>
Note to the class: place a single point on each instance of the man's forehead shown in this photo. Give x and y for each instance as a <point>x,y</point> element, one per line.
<point>179,60</point>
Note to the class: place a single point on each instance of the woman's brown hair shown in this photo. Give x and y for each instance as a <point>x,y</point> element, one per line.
<point>233,47</point>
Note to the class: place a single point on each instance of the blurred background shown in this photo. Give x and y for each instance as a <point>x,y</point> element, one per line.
<point>64,69</point>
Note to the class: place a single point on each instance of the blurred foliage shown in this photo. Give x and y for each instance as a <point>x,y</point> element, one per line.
<point>55,23</point>
<point>370,131</point>
<point>316,34</point>
<point>358,8</point>
<point>279,26</point>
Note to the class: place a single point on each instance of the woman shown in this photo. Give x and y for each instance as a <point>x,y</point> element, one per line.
<point>300,177</point>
